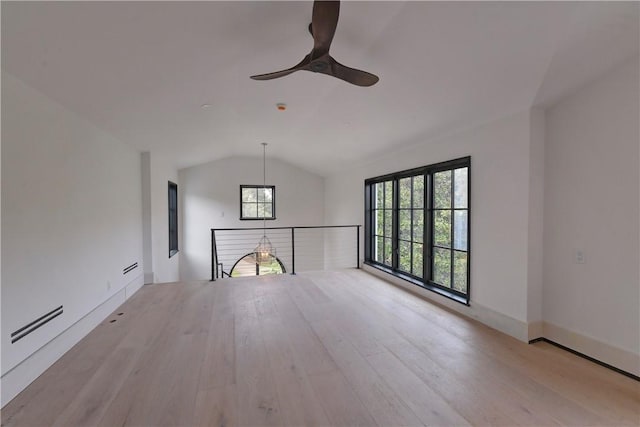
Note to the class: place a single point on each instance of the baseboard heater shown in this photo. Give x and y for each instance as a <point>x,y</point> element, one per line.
<point>129,268</point>
<point>32,326</point>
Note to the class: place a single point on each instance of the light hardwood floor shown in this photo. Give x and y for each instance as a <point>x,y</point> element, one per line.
<point>327,348</point>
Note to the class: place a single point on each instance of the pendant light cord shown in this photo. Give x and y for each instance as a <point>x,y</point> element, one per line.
<point>264,186</point>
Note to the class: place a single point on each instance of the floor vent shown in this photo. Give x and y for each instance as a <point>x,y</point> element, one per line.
<point>129,268</point>
<point>32,326</point>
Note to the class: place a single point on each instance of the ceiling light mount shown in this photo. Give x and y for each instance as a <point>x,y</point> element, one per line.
<point>281,106</point>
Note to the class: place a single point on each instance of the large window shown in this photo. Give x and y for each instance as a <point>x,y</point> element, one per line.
<point>450,228</point>
<point>173,219</point>
<point>417,226</point>
<point>383,219</point>
<point>257,202</point>
<point>411,225</point>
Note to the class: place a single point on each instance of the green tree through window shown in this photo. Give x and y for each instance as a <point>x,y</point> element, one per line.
<point>450,228</point>
<point>417,226</point>
<point>411,225</point>
<point>383,222</point>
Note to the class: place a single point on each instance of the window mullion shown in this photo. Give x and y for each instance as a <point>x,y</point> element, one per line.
<point>428,228</point>
<point>367,219</point>
<point>468,278</point>
<point>383,221</point>
<point>452,211</point>
<point>395,220</point>
<point>411,227</point>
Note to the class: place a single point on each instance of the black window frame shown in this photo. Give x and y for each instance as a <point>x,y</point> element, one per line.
<point>273,203</point>
<point>426,281</point>
<point>173,218</point>
<point>385,228</point>
<point>411,208</point>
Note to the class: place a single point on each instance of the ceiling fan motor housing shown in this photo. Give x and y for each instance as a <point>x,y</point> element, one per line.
<point>319,66</point>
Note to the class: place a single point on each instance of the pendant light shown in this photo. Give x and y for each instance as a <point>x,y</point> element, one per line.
<point>264,253</point>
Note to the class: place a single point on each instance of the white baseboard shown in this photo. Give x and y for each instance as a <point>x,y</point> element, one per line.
<point>601,351</point>
<point>485,315</point>
<point>23,374</point>
<point>536,330</point>
<point>133,287</point>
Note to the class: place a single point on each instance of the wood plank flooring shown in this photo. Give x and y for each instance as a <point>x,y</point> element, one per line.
<point>325,348</point>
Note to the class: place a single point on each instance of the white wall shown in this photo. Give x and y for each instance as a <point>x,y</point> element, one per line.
<point>162,171</point>
<point>500,183</point>
<point>71,221</point>
<point>147,224</point>
<point>591,204</point>
<point>545,184</point>
<point>536,222</point>
<point>210,198</point>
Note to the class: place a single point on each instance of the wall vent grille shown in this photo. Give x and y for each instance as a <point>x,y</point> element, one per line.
<point>32,326</point>
<point>129,268</point>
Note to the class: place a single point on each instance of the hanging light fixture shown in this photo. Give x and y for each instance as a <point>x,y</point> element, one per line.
<point>264,252</point>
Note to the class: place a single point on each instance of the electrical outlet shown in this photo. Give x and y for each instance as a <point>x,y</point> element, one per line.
<point>579,256</point>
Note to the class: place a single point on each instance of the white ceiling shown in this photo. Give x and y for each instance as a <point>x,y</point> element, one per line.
<point>141,70</point>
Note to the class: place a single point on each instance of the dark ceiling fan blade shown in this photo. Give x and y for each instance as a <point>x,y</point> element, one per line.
<point>323,27</point>
<point>302,65</point>
<point>274,75</point>
<point>324,22</point>
<point>348,74</point>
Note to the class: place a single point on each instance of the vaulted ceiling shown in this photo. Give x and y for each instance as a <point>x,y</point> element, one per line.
<point>142,70</point>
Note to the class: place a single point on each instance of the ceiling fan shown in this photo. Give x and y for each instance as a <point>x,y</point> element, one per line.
<point>323,27</point>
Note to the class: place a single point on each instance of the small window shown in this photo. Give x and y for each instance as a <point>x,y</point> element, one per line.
<point>257,202</point>
<point>173,219</point>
